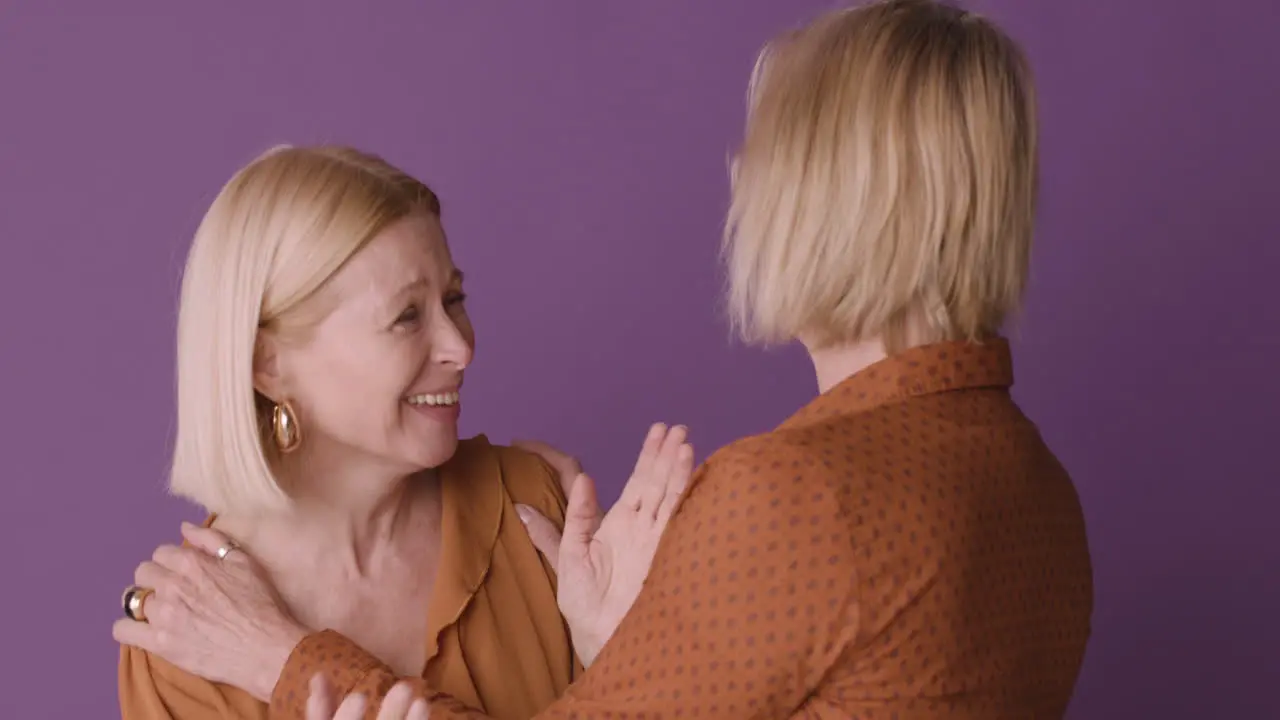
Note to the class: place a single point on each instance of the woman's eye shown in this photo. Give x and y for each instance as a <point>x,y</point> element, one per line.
<point>455,299</point>
<point>410,315</point>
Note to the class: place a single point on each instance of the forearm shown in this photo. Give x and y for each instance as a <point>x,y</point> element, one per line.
<point>151,689</point>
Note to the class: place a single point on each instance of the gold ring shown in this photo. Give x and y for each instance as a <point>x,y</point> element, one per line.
<point>133,599</point>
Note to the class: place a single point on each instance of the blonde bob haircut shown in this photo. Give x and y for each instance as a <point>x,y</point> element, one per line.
<point>274,236</point>
<point>886,184</point>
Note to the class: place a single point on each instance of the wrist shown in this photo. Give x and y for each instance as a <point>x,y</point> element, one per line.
<point>273,655</point>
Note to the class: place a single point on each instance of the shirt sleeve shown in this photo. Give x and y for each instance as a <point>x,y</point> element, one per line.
<point>350,669</point>
<point>751,599</point>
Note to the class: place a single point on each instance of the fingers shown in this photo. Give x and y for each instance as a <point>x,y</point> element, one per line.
<point>134,633</point>
<point>352,708</point>
<point>543,533</point>
<point>581,519</point>
<point>630,496</point>
<point>180,561</point>
<point>163,615</point>
<point>164,586</point>
<point>320,700</point>
<point>206,539</point>
<point>654,486</point>
<point>649,449</point>
<point>659,472</point>
<point>399,704</point>
<point>677,482</point>
<point>395,706</point>
<point>151,574</point>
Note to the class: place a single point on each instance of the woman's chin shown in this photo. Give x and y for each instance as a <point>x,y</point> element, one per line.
<point>436,450</point>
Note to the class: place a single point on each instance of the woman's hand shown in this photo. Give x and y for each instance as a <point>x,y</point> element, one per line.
<point>601,562</point>
<point>543,532</point>
<point>397,705</point>
<point>220,619</point>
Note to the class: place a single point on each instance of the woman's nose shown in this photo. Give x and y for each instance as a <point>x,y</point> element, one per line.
<point>449,345</point>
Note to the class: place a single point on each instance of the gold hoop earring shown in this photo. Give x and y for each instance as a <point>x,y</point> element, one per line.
<point>284,426</point>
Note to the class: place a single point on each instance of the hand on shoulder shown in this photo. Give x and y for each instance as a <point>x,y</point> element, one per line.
<point>602,559</point>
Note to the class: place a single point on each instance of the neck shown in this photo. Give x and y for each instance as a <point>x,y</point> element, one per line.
<point>346,509</point>
<point>833,364</point>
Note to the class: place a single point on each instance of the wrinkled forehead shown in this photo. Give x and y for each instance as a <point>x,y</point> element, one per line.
<point>411,251</point>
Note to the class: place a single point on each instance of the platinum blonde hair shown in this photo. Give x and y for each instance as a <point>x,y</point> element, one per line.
<point>887,182</point>
<point>273,237</point>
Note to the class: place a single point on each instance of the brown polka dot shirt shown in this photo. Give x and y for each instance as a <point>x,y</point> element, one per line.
<point>904,547</point>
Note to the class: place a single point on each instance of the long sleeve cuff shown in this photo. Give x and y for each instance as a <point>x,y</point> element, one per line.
<point>343,662</point>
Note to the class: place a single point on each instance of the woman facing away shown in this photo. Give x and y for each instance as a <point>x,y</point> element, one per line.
<point>322,340</point>
<point>905,545</point>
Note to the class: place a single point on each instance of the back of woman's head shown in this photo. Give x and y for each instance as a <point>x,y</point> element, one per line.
<point>275,234</point>
<point>886,185</point>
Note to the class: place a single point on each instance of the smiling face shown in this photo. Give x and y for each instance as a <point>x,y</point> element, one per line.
<point>377,376</point>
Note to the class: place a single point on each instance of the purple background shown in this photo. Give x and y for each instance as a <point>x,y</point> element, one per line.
<point>580,150</point>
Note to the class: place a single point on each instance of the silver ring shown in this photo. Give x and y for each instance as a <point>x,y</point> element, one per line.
<point>226,550</point>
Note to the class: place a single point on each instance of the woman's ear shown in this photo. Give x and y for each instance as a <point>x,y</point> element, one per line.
<point>267,378</point>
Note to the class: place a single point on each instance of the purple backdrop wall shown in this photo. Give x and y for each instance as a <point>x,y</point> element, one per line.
<point>580,150</point>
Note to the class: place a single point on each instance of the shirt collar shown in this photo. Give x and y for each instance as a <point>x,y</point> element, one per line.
<point>923,370</point>
<point>471,493</point>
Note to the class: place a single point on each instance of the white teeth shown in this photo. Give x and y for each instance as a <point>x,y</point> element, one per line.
<point>434,399</point>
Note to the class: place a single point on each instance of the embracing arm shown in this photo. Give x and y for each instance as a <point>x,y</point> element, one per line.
<point>152,689</point>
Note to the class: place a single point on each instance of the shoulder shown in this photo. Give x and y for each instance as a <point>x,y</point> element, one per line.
<point>784,462</point>
<point>526,477</point>
<point>766,454</point>
<point>764,529</point>
<point>773,482</point>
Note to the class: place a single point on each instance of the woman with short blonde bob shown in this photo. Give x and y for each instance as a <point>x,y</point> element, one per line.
<point>905,545</point>
<point>322,341</point>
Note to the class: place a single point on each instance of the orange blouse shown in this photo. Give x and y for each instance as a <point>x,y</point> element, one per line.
<point>497,640</point>
<point>905,546</point>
